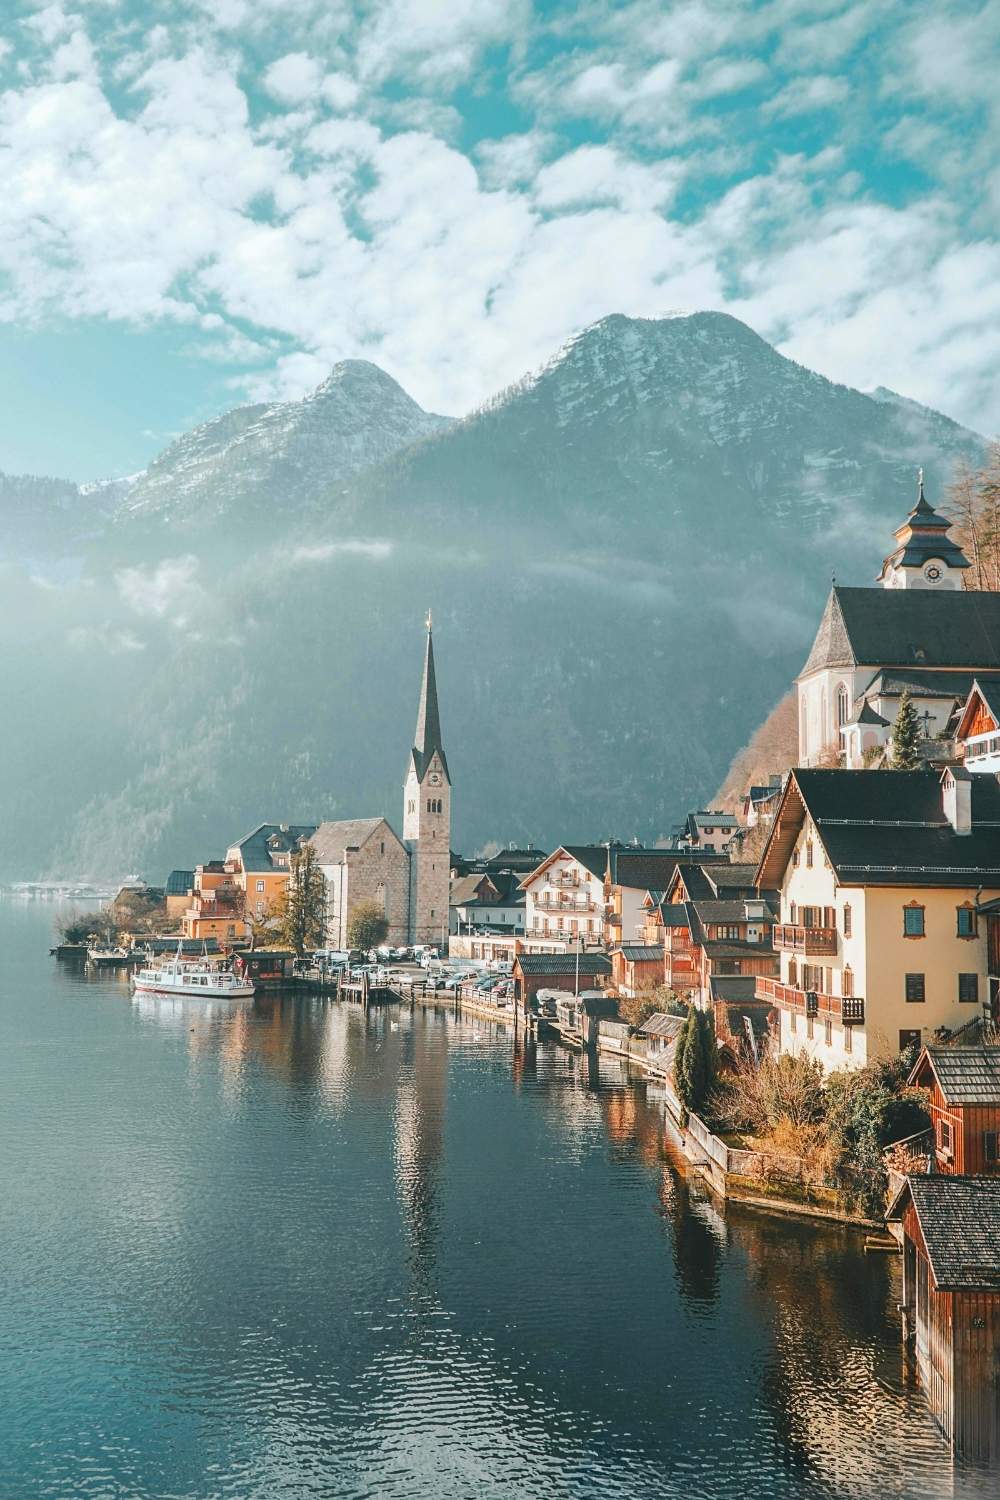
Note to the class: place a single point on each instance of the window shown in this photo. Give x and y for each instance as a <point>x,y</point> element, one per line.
<point>966,916</point>
<point>847,920</point>
<point>913,921</point>
<point>795,858</point>
<point>828,1033</point>
<point>843,706</point>
<point>729,932</point>
<point>260,886</point>
<point>260,908</point>
<point>908,1039</point>
<point>915,992</point>
<point>991,1139</point>
<point>381,847</point>
<point>946,1137</point>
<point>848,1038</point>
<point>968,988</point>
<point>793,1021</point>
<point>847,981</point>
<point>809,855</point>
<point>810,1028</point>
<point>793,973</point>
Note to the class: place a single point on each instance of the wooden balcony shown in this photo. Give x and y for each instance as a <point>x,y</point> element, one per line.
<point>815,942</point>
<point>849,1010</point>
<point>564,904</point>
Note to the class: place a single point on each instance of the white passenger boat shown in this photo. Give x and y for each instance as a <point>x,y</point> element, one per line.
<point>198,978</point>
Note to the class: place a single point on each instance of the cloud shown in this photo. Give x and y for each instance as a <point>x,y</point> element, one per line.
<point>293,78</point>
<point>169,590</point>
<point>374,551</point>
<point>104,640</point>
<point>805,95</point>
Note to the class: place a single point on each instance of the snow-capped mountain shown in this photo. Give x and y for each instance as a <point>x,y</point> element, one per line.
<point>274,459</point>
<point>42,516</point>
<point>626,553</point>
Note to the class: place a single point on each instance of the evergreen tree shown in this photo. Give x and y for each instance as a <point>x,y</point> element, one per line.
<point>695,1060</point>
<point>906,736</point>
<point>302,918</point>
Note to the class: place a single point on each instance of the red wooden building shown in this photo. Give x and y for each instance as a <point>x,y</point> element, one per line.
<point>951,1302</point>
<point>964,1085</point>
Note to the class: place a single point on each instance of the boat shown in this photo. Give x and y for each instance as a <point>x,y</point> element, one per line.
<point>108,957</point>
<point>198,978</point>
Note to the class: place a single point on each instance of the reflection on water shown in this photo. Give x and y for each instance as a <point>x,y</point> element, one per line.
<point>286,1248</point>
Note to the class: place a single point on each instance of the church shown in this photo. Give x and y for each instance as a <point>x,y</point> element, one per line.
<point>364,859</point>
<point>921,631</point>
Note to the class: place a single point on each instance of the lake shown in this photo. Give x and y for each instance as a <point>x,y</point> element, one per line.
<point>282,1248</point>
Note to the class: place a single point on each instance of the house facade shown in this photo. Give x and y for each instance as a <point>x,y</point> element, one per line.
<point>259,865</point>
<point>881,934</point>
<point>964,1087</point>
<point>564,899</point>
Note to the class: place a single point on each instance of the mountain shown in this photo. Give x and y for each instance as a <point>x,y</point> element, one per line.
<point>267,461</point>
<point>626,554</point>
<point>43,516</point>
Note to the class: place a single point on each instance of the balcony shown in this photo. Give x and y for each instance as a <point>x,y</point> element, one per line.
<point>849,1010</point>
<point>565,882</point>
<point>811,941</point>
<point>564,904</point>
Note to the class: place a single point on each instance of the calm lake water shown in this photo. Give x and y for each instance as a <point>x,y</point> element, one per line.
<point>281,1249</point>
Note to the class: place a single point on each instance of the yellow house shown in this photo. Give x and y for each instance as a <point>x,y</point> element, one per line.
<point>260,863</point>
<point>883,879</point>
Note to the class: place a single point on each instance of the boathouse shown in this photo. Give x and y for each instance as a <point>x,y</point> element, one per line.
<point>964,1085</point>
<point>951,1302</point>
<point>558,971</point>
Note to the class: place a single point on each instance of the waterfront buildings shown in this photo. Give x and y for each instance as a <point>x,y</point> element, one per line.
<point>964,1087</point>
<point>261,862</point>
<point>564,898</point>
<point>883,936</point>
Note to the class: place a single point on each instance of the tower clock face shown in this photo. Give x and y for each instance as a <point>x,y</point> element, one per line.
<point>932,572</point>
<point>434,778</point>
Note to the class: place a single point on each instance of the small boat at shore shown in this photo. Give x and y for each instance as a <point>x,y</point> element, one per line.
<point>107,958</point>
<point>198,978</point>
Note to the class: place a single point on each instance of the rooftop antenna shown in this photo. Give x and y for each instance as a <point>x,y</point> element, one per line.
<point>428,622</point>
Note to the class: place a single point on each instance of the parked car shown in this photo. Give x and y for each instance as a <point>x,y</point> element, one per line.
<point>454,981</point>
<point>501,966</point>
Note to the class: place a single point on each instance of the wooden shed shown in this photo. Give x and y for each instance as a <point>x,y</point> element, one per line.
<point>951,1302</point>
<point>964,1085</point>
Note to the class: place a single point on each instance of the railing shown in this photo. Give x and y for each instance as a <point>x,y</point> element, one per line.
<point>848,1009</point>
<point>565,880</point>
<point>563,903</point>
<point>791,938</point>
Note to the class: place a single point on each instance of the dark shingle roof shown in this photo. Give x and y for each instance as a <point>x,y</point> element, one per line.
<point>907,627</point>
<point>179,882</point>
<point>427,737</point>
<point>673,914</point>
<point>640,868</point>
<point>255,849</point>
<point>959,1219</point>
<point>733,988</point>
<point>560,964</point>
<point>967,1075</point>
<point>889,828</point>
<point>641,953</point>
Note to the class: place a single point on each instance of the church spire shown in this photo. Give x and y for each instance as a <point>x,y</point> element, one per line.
<point>427,738</point>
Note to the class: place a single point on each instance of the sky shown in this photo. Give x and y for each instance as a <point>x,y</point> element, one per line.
<point>205,202</point>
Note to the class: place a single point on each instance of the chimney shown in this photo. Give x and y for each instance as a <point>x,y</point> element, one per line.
<point>956,796</point>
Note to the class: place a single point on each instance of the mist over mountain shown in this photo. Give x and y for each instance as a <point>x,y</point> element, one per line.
<point>626,555</point>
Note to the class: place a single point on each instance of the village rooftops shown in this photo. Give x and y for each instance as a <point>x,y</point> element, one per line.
<point>661,1024</point>
<point>638,869</point>
<point>640,953</point>
<point>270,844</point>
<point>965,1075</point>
<point>959,1220</point>
<point>593,858</point>
<point>907,628</point>
<point>179,882</point>
<point>887,828</point>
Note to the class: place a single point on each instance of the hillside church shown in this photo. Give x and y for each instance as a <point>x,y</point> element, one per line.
<point>920,632</point>
<point>364,859</point>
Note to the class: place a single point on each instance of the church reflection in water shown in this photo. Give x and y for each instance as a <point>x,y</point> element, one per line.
<point>832,1336</point>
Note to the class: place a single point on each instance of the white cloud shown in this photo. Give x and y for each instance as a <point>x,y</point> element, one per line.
<point>294,78</point>
<point>805,95</point>
<point>170,590</point>
<point>340,91</point>
<point>374,551</point>
<point>104,640</point>
<point>599,174</point>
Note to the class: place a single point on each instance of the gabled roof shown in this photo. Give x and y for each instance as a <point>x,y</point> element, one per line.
<point>907,628</point>
<point>966,1075</point>
<point>281,838</point>
<point>330,840</point>
<point>641,953</point>
<point>887,828</point>
<point>959,1220</point>
<point>638,869</point>
<point>561,964</point>
<point>984,690</point>
<point>734,989</point>
<point>593,858</point>
<point>467,888</point>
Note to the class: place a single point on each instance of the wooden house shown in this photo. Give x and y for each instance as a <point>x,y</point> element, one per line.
<point>572,972</point>
<point>636,967</point>
<point>951,1302</point>
<point>964,1085</point>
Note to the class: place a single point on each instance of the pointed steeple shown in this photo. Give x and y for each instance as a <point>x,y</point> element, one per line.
<point>427,738</point>
<point>925,555</point>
